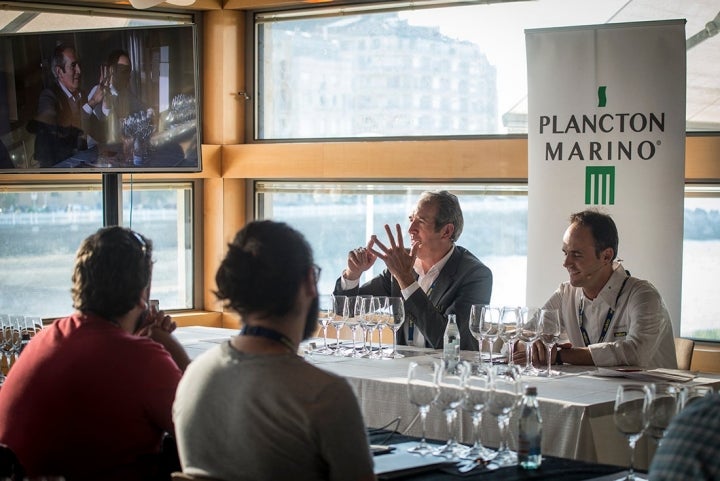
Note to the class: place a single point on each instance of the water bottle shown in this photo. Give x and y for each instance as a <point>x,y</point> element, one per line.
<point>530,431</point>
<point>451,343</point>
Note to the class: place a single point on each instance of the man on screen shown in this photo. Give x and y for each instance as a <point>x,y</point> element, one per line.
<point>435,276</point>
<point>65,120</point>
<point>607,317</point>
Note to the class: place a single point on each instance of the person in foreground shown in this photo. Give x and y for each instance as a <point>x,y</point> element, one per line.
<point>607,317</point>
<point>251,408</point>
<point>90,397</point>
<point>690,447</point>
<point>435,276</point>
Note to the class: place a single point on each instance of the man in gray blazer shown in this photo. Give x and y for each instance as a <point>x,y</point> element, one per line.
<point>434,276</point>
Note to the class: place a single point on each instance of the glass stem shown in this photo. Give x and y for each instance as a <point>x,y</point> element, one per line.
<point>631,472</point>
<point>511,351</point>
<point>325,337</point>
<point>450,418</point>
<point>549,358</point>
<point>423,423</point>
<point>528,356</point>
<point>476,420</point>
<point>503,441</point>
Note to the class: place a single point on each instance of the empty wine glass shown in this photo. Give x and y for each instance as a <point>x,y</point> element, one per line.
<point>475,325</point>
<point>450,381</point>
<point>380,309</point>
<point>490,326</point>
<point>422,391</point>
<point>395,319</point>
<point>529,333</point>
<point>549,334</point>
<point>361,308</point>
<point>663,407</point>
<point>631,408</point>
<point>476,389</point>
<point>503,397</point>
<point>689,394</point>
<point>325,314</point>
<point>509,319</point>
<point>340,314</point>
<point>358,307</point>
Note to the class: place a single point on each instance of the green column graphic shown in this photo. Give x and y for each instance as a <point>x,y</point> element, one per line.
<point>600,185</point>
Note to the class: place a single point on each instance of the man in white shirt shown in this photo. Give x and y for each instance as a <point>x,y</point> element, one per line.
<point>608,317</point>
<point>435,277</point>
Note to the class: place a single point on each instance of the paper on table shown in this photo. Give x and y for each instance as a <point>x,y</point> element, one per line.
<point>400,463</point>
<point>670,375</point>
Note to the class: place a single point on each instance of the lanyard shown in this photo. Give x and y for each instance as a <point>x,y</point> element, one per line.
<point>267,333</point>
<point>608,318</point>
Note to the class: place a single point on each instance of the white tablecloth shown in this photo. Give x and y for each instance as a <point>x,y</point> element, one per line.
<point>577,407</point>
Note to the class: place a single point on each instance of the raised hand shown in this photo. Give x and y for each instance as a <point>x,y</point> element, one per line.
<point>398,260</point>
<point>359,260</point>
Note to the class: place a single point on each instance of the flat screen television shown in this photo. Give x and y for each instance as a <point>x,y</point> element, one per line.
<point>108,101</point>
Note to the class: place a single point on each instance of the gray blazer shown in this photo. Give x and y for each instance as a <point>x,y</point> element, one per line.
<point>463,281</point>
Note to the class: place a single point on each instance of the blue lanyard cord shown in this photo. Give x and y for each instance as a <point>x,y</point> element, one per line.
<point>608,318</point>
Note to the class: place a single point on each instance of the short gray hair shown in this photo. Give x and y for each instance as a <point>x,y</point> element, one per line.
<point>448,210</point>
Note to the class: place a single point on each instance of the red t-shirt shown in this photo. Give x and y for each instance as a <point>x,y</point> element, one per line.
<point>86,397</point>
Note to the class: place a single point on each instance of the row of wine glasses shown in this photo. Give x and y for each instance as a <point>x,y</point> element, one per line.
<point>364,313</point>
<point>512,324</point>
<point>15,331</point>
<point>474,388</point>
<point>648,409</point>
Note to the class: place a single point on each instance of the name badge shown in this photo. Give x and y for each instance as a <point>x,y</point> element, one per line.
<point>620,334</point>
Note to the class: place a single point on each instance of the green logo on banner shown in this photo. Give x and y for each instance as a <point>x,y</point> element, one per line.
<point>602,98</point>
<point>600,185</point>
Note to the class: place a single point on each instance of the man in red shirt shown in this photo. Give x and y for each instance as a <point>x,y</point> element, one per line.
<point>91,395</point>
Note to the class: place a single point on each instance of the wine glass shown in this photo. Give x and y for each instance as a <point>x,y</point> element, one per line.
<point>663,406</point>
<point>395,319</point>
<point>476,390</point>
<point>325,314</point>
<point>475,325</point>
<point>490,326</point>
<point>340,314</point>
<point>689,394</point>
<point>631,416</point>
<point>529,333</point>
<point>377,313</point>
<point>359,310</point>
<point>549,334</point>
<point>365,314</point>
<point>422,391</point>
<point>450,394</point>
<point>509,319</point>
<point>504,396</point>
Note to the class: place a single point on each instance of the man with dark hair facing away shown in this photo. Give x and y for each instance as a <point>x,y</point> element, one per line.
<point>251,408</point>
<point>90,397</point>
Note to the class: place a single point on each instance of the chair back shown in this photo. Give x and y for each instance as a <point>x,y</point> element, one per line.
<point>684,352</point>
<point>10,467</point>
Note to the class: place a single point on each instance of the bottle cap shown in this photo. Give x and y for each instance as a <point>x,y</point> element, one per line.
<point>531,391</point>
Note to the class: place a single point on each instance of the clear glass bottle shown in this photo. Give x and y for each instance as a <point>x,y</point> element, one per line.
<point>451,343</point>
<point>529,431</point>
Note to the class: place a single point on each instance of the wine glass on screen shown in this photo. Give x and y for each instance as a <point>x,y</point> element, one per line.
<point>529,333</point>
<point>395,319</point>
<point>504,395</point>
<point>509,319</point>
<point>340,314</point>
<point>475,325</point>
<point>422,391</point>
<point>450,393</point>
<point>663,407</point>
<point>631,416</point>
<point>476,390</point>
<point>490,327</point>
<point>549,334</point>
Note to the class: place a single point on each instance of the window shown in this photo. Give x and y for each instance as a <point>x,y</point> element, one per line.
<point>378,48</point>
<point>701,269</point>
<point>336,217</point>
<point>41,227</point>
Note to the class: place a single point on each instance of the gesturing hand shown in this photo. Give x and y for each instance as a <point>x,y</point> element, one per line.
<point>359,260</point>
<point>398,260</point>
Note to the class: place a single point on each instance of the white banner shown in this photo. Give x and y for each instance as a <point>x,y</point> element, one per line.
<point>606,130</point>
